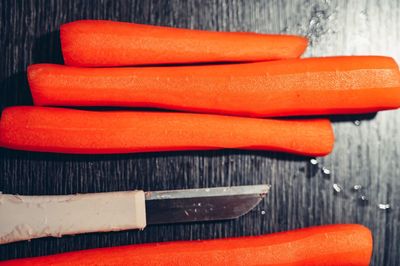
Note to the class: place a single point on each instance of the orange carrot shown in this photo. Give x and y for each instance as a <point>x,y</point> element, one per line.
<point>110,43</point>
<point>75,131</point>
<point>314,86</point>
<point>346,244</point>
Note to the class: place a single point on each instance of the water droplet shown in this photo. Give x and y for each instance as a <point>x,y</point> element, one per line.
<point>313,169</point>
<point>262,212</point>
<point>199,204</point>
<point>312,22</point>
<point>362,200</point>
<point>357,122</point>
<point>356,187</point>
<point>337,188</point>
<point>384,206</point>
<point>326,171</point>
<point>186,213</point>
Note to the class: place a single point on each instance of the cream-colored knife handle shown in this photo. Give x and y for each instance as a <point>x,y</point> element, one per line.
<point>28,217</point>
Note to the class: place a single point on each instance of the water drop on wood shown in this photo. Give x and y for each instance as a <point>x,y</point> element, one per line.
<point>262,212</point>
<point>356,188</point>
<point>313,167</point>
<point>326,171</point>
<point>384,206</point>
<point>337,188</point>
<point>357,122</point>
<point>362,200</point>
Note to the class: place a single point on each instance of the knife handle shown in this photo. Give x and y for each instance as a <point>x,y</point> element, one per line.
<point>28,217</point>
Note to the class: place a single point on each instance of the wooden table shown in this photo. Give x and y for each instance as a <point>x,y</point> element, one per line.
<point>301,195</point>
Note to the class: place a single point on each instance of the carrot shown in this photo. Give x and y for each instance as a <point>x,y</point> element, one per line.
<point>342,244</point>
<point>110,43</point>
<point>75,131</point>
<point>314,86</point>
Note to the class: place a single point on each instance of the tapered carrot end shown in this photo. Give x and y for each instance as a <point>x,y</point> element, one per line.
<point>3,126</point>
<point>32,73</point>
<point>67,44</point>
<point>337,244</point>
<point>328,138</point>
<point>78,47</point>
<point>366,234</point>
<point>361,244</point>
<point>317,137</point>
<point>302,44</point>
<point>37,80</point>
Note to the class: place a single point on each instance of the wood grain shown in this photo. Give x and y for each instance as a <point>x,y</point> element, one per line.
<point>300,195</point>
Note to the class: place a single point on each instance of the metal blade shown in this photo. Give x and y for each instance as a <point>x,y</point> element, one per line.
<point>207,204</point>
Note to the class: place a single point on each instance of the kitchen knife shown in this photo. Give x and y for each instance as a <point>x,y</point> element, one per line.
<point>28,217</point>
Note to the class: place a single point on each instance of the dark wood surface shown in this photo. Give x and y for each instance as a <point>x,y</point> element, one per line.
<point>301,195</point>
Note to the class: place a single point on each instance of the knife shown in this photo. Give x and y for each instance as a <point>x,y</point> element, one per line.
<point>29,217</point>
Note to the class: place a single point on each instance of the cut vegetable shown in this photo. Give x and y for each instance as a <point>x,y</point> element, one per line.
<point>315,86</point>
<point>347,244</point>
<point>75,131</point>
<point>110,43</point>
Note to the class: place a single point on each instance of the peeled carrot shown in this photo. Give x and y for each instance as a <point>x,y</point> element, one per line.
<point>75,131</point>
<point>346,244</point>
<point>110,43</point>
<point>314,86</point>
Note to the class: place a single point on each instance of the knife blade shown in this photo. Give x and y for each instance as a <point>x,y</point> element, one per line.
<point>28,217</point>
